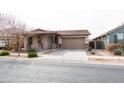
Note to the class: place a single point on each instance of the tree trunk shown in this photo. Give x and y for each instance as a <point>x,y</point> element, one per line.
<point>8,44</point>
<point>18,45</point>
<point>19,49</point>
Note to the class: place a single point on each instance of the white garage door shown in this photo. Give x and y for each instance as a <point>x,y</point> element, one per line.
<point>73,43</point>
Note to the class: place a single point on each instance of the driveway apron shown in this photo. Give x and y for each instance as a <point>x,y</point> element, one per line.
<point>66,55</point>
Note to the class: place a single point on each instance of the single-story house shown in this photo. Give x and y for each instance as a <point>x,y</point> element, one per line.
<point>115,35</point>
<point>68,39</point>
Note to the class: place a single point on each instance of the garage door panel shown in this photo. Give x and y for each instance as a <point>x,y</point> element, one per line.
<point>73,43</point>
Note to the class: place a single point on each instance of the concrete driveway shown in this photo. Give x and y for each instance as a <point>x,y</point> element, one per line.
<point>66,55</point>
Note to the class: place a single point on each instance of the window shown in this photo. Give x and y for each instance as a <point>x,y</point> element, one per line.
<point>39,40</point>
<point>30,40</point>
<point>56,40</point>
<point>120,36</point>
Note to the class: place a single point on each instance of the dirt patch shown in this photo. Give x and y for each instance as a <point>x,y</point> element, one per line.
<point>16,56</point>
<point>105,60</point>
<point>48,51</point>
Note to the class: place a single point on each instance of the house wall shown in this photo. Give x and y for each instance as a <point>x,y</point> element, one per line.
<point>105,40</point>
<point>47,42</point>
<point>110,38</point>
<point>111,35</point>
<point>99,43</point>
<point>59,40</point>
<point>86,40</point>
<point>34,42</point>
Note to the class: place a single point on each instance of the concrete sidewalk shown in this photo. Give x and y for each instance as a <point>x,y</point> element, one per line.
<point>113,58</point>
<point>28,60</point>
<point>67,56</point>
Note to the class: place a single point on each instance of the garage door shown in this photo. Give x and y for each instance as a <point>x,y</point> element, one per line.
<point>73,43</point>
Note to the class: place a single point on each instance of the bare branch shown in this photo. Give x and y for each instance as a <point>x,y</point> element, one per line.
<point>10,26</point>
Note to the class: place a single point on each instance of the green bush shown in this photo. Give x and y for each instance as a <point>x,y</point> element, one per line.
<point>90,49</point>
<point>32,54</point>
<point>118,52</point>
<point>92,52</point>
<point>4,53</point>
<point>31,50</point>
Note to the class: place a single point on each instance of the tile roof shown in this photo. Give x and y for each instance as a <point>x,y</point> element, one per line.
<point>74,32</point>
<point>41,31</point>
<point>62,32</point>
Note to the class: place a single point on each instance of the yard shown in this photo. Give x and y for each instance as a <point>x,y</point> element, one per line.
<point>68,56</point>
<point>104,56</point>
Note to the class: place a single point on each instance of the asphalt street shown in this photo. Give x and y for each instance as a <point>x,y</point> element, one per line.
<point>53,72</point>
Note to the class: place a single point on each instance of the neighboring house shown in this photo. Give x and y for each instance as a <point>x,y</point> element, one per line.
<point>68,39</point>
<point>115,35</point>
<point>8,38</point>
<point>2,43</point>
<point>11,41</point>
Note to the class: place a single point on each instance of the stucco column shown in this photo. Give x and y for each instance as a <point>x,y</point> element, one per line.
<point>86,40</point>
<point>95,44</point>
<point>35,42</point>
<point>108,39</point>
<point>60,42</point>
<point>45,41</point>
<point>53,43</point>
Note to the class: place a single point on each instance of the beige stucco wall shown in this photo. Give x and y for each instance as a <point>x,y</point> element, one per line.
<point>59,40</point>
<point>46,41</point>
<point>86,40</point>
<point>34,42</point>
<point>49,42</point>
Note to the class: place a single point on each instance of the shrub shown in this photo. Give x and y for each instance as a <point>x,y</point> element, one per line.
<point>113,46</point>
<point>31,50</point>
<point>90,49</point>
<point>32,54</point>
<point>8,47</point>
<point>118,52</point>
<point>92,52</point>
<point>4,53</point>
<point>122,46</point>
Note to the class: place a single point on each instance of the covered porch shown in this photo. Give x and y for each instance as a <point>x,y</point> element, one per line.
<point>40,42</point>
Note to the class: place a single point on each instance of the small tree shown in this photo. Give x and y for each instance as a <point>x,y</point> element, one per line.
<point>17,34</point>
<point>13,28</point>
